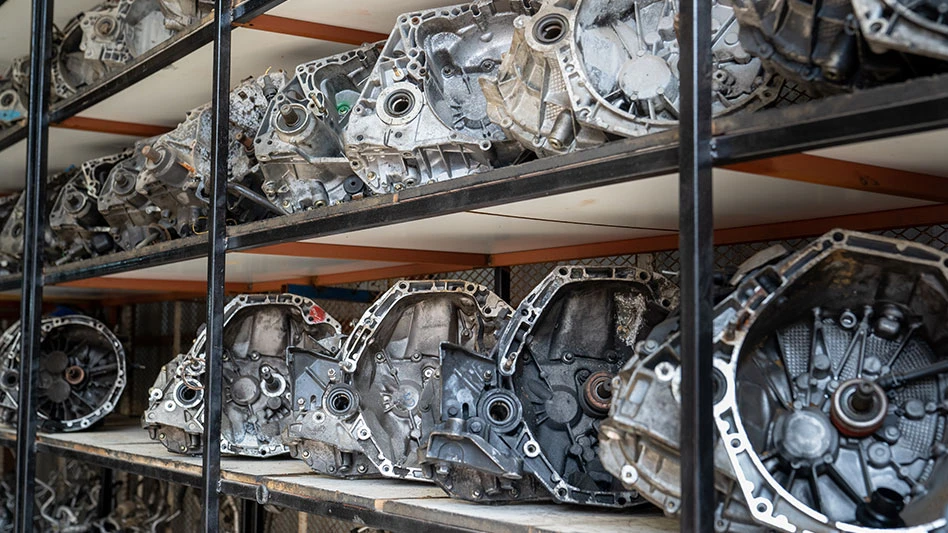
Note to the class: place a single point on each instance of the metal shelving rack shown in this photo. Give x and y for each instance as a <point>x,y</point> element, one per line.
<point>698,146</point>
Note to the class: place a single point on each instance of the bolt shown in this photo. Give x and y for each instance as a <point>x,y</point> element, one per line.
<point>488,375</point>
<point>476,426</point>
<point>151,154</point>
<point>305,454</point>
<point>289,114</point>
<point>862,400</point>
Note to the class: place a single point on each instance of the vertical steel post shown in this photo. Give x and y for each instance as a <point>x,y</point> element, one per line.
<point>502,283</point>
<point>31,304</point>
<point>696,239</point>
<point>217,246</point>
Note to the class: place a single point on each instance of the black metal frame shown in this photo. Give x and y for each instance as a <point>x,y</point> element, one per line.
<point>910,107</point>
<point>31,305</point>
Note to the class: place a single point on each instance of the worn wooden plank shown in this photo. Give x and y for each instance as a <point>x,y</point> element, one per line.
<point>364,493</point>
<point>531,518</point>
<point>127,447</point>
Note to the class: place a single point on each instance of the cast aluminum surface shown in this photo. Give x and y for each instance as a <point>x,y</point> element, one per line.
<point>75,218</point>
<point>422,116</point>
<point>795,345</point>
<point>582,71</point>
<point>177,169</point>
<point>258,331</point>
<point>132,218</point>
<point>367,411</point>
<point>906,26</point>
<point>11,235</point>
<point>81,373</point>
<point>521,423</point>
<point>299,145</point>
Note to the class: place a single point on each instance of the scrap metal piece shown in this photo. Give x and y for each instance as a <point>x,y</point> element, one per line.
<point>522,424</point>
<point>582,71</point>
<point>81,373</point>
<point>831,394</point>
<point>177,169</point>
<point>259,329</point>
<point>368,411</point>
<point>75,217</point>
<point>299,144</point>
<point>422,116</point>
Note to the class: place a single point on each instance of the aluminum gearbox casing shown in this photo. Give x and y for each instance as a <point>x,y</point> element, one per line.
<point>910,27</point>
<point>582,71</point>
<point>259,329</point>
<point>422,116</point>
<point>11,235</point>
<point>830,379</point>
<point>75,217</point>
<point>840,45</point>
<point>133,219</point>
<point>178,164</point>
<point>81,373</point>
<point>299,144</point>
<point>367,411</point>
<point>13,101</point>
<point>521,423</point>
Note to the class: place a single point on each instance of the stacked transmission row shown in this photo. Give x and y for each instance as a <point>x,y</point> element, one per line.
<point>831,388</point>
<point>453,91</point>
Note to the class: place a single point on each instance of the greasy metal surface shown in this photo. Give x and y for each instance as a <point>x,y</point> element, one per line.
<point>521,422</point>
<point>367,410</point>
<point>256,399</point>
<point>793,343</point>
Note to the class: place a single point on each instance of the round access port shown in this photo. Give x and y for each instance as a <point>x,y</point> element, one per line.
<point>399,103</point>
<point>550,29</point>
<point>187,397</point>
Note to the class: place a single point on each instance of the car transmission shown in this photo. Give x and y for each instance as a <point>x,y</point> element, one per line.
<point>81,373</point>
<point>120,30</point>
<point>368,411</point>
<point>258,331</point>
<point>179,14</point>
<point>581,71</point>
<point>830,394</point>
<point>299,145</point>
<point>522,423</point>
<point>422,116</point>
<point>133,219</point>
<point>909,27</point>
<point>8,204</point>
<point>106,38</point>
<point>12,102</point>
<point>11,236</point>
<point>75,217</point>
<point>844,44</point>
<point>178,165</point>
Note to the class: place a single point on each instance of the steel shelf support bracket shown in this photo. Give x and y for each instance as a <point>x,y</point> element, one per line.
<point>217,247</point>
<point>31,304</point>
<point>696,240</point>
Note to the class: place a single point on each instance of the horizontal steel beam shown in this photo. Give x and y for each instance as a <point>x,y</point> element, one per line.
<point>899,109</point>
